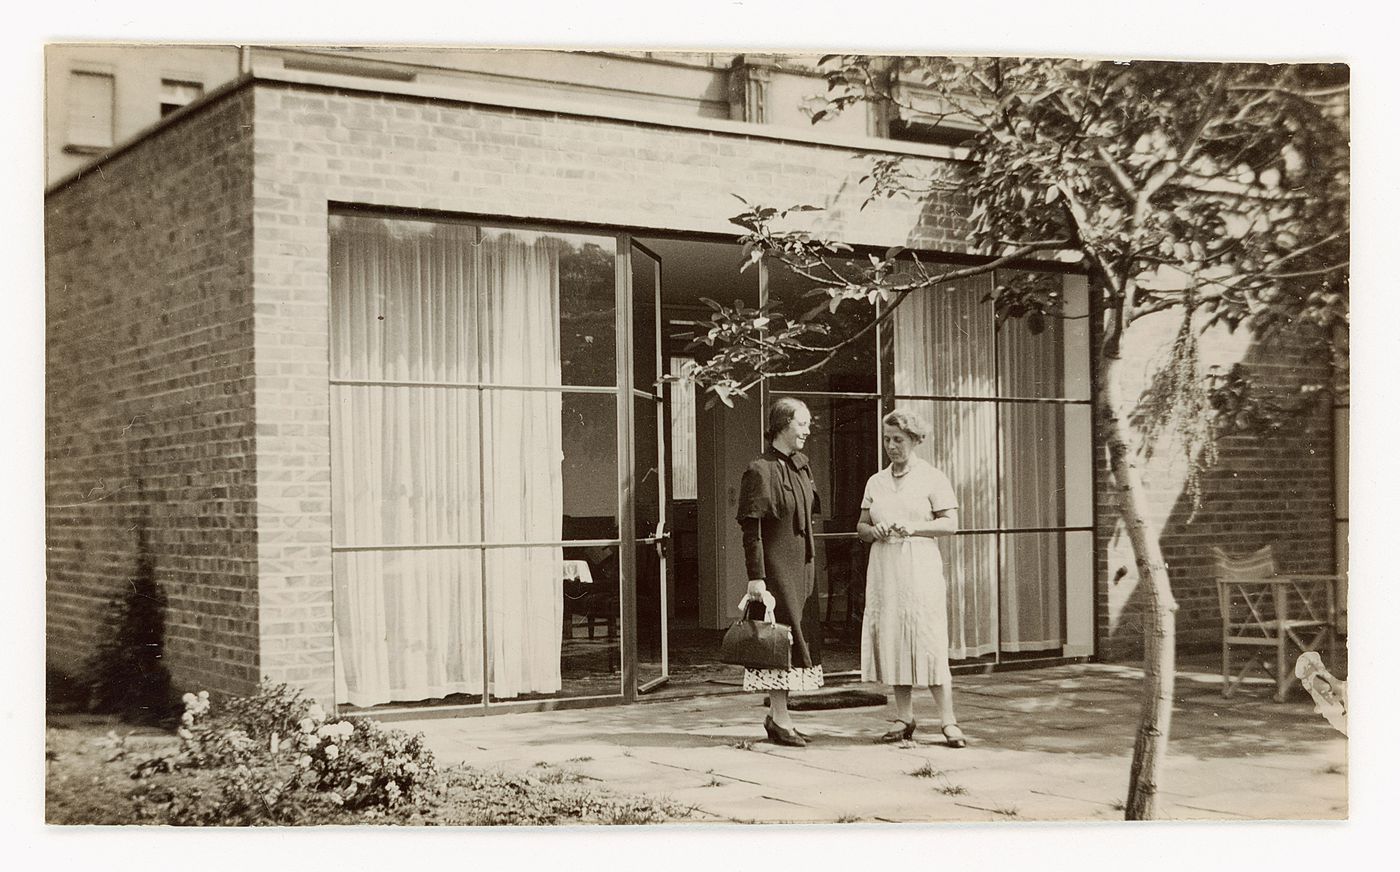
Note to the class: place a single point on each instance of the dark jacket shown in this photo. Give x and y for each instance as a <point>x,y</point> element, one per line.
<point>776,503</point>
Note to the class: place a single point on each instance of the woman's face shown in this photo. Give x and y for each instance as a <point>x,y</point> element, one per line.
<point>899,446</point>
<point>797,430</point>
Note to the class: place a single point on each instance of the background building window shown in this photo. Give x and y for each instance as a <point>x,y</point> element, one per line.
<point>90,111</point>
<point>176,94</point>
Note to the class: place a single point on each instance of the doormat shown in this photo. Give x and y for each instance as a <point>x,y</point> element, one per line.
<point>835,699</point>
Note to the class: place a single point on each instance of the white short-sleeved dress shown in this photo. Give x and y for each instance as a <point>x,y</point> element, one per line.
<point>904,637</point>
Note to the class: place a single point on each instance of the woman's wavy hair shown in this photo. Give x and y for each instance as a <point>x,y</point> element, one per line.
<point>913,426</point>
<point>780,414</point>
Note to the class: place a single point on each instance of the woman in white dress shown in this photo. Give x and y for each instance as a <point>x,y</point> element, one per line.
<point>908,505</point>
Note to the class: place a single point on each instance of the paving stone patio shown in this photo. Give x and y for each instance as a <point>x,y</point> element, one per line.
<point>1046,745</point>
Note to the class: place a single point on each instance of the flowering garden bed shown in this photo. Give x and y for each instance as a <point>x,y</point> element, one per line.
<point>276,759</point>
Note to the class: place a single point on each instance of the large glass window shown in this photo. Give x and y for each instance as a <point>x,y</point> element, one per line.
<point>1009,410</point>
<point>852,369</point>
<point>474,461</point>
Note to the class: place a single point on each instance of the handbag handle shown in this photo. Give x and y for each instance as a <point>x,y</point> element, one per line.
<point>768,615</point>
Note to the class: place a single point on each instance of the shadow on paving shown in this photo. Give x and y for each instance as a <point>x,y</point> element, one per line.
<point>1079,710</point>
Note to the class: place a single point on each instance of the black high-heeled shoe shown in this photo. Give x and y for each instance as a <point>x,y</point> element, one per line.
<point>783,735</point>
<point>958,741</point>
<point>905,733</point>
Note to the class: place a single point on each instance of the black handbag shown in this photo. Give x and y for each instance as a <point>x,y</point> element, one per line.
<point>757,644</point>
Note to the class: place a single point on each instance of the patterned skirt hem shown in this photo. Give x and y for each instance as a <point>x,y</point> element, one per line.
<point>801,678</point>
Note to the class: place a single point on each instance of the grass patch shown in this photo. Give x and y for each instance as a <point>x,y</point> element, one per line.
<point>1119,805</point>
<point>927,771</point>
<point>742,745</point>
<point>848,819</point>
<point>952,790</point>
<point>1007,811</point>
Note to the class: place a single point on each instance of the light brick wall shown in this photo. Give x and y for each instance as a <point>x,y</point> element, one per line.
<point>149,418</point>
<point>315,147</point>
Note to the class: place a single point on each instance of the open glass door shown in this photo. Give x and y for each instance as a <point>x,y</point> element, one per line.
<point>653,537</point>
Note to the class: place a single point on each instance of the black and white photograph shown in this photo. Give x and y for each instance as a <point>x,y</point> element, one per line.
<point>796,434</point>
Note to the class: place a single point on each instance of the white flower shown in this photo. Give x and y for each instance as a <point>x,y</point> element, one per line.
<point>189,699</point>
<point>184,733</point>
<point>335,798</point>
<point>305,761</point>
<point>332,752</point>
<point>308,741</point>
<point>307,725</point>
<point>316,713</point>
<point>187,719</point>
<point>204,696</point>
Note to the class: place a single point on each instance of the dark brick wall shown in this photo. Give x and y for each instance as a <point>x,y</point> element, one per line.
<point>149,418</point>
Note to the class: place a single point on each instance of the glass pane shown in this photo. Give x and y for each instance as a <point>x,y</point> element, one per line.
<point>528,281</point>
<point>942,342</point>
<point>589,441</point>
<point>852,370</point>
<point>962,443</point>
<point>1079,466</point>
<point>1032,474</point>
<point>425,301</point>
<point>650,613</point>
<point>1075,329</point>
<point>970,569</point>
<point>840,576</point>
<point>1079,593</point>
<point>403,300</point>
<point>587,308</point>
<point>538,648</point>
<point>405,466</point>
<point>408,627</point>
<point>1031,591</point>
<point>91,108</point>
<point>1029,362</point>
<point>844,452</point>
<point>683,459</point>
<point>549,466</point>
<point>522,480</point>
<point>645,276</point>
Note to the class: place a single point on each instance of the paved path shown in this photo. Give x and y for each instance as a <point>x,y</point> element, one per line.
<point>1046,745</point>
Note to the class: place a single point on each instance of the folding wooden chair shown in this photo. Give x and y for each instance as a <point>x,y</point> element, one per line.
<point>1261,609</point>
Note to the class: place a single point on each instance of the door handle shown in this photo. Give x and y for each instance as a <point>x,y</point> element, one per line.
<point>661,538</point>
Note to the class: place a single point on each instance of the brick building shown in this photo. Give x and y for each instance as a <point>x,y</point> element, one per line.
<point>368,351</point>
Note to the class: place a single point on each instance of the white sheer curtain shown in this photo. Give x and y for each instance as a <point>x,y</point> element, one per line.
<point>410,465</point>
<point>1032,486</point>
<point>944,345</point>
<point>522,460</point>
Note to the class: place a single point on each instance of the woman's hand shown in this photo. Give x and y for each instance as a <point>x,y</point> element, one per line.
<point>890,531</point>
<point>758,590</point>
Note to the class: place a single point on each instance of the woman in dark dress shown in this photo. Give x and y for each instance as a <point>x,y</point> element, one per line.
<point>776,504</point>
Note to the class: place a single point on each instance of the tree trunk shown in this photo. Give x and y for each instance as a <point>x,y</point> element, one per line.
<point>1159,609</point>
